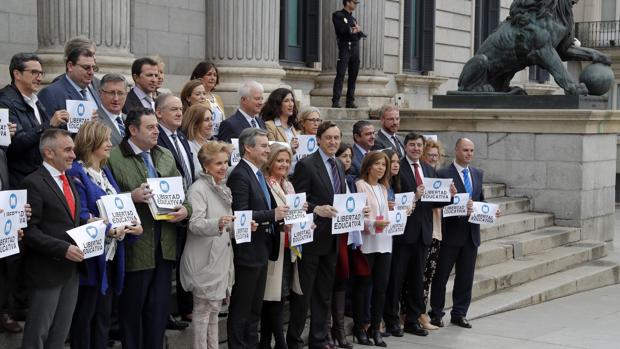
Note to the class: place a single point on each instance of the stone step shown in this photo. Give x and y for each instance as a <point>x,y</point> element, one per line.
<point>493,190</point>
<point>513,224</point>
<point>588,276</point>
<point>514,272</point>
<point>337,114</point>
<point>511,205</point>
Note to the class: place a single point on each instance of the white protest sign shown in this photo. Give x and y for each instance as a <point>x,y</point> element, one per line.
<point>484,213</point>
<point>350,212</point>
<point>119,210</point>
<point>167,191</point>
<point>404,201</point>
<point>284,144</point>
<point>243,226</point>
<point>458,207</point>
<point>302,232</point>
<point>5,136</point>
<point>13,202</point>
<point>430,137</point>
<point>296,212</point>
<point>398,221</point>
<point>235,156</point>
<point>79,112</point>
<point>8,237</point>
<point>89,238</point>
<point>437,190</point>
<point>307,145</point>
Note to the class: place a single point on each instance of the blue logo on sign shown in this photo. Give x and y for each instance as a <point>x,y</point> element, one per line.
<point>13,201</point>
<point>403,200</point>
<point>81,109</point>
<point>297,202</point>
<point>302,225</point>
<point>311,144</point>
<point>8,227</point>
<point>350,204</point>
<point>119,203</point>
<point>164,186</point>
<point>437,184</point>
<point>398,217</point>
<point>457,200</point>
<point>243,219</point>
<point>485,209</point>
<point>92,232</point>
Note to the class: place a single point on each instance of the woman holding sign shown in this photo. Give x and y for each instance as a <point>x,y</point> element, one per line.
<point>105,273</point>
<point>377,247</point>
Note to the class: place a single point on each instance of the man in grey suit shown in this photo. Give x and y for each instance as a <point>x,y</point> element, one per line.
<point>387,137</point>
<point>50,258</point>
<point>113,92</point>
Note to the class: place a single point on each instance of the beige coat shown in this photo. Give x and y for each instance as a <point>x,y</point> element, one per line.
<point>277,133</point>
<point>207,261</point>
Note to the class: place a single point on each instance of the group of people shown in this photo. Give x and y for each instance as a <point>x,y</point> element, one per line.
<point>144,132</point>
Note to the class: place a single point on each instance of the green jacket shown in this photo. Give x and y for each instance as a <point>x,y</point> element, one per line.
<point>130,172</point>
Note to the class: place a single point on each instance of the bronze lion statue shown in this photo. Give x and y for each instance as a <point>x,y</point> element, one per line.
<point>537,32</point>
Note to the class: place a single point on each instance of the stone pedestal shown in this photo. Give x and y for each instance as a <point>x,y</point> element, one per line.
<point>371,90</point>
<point>243,42</point>
<point>563,160</point>
<point>107,23</point>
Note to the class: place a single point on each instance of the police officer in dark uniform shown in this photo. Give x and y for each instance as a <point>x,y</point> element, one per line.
<point>348,33</point>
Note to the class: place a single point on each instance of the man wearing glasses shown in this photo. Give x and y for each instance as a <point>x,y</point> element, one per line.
<point>113,92</point>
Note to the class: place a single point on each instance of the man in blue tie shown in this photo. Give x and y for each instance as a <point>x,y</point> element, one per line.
<point>250,105</point>
<point>113,91</point>
<point>460,241</point>
<point>250,192</point>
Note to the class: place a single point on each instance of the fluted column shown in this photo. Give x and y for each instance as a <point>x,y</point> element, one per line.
<point>371,84</point>
<point>242,39</point>
<point>106,22</point>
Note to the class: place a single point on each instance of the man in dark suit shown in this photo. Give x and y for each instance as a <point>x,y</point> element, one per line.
<point>460,241</point>
<point>364,138</point>
<point>410,249</point>
<point>29,115</point>
<point>145,74</point>
<point>113,93</point>
<point>320,176</point>
<point>250,192</point>
<point>169,111</point>
<point>50,258</point>
<point>387,137</point>
<point>250,104</point>
<point>75,85</point>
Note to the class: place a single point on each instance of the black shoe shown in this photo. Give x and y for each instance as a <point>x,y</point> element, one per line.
<point>351,105</point>
<point>436,321</point>
<point>415,328</point>
<point>336,105</point>
<point>173,324</point>
<point>385,334</point>
<point>395,331</point>
<point>377,338</point>
<point>460,321</point>
<point>361,337</point>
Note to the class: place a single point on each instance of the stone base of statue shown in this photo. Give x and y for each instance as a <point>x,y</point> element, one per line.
<point>471,101</point>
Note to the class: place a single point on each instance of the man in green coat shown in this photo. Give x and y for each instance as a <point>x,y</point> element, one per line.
<point>144,303</point>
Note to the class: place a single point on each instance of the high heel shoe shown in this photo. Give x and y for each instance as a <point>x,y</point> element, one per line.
<point>377,338</point>
<point>361,337</point>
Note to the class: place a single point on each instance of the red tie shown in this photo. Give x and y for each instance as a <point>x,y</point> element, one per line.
<point>66,189</point>
<point>418,176</point>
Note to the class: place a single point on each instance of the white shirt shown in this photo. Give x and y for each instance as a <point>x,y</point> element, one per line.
<point>183,154</point>
<point>55,175</point>
<point>411,162</point>
<point>89,96</point>
<point>146,99</point>
<point>136,149</point>
<point>360,149</point>
<point>112,117</point>
<point>328,166</point>
<point>32,102</point>
<point>254,169</point>
<point>288,130</point>
<point>249,118</point>
<point>460,169</point>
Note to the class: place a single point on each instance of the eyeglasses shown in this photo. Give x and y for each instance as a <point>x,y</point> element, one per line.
<point>433,156</point>
<point>35,72</point>
<point>314,120</point>
<point>115,93</point>
<point>89,67</point>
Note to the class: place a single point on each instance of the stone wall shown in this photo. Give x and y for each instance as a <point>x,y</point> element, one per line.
<point>18,32</point>
<point>392,34</point>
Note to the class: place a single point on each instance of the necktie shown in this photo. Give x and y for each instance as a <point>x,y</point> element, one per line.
<point>84,95</point>
<point>398,148</point>
<point>263,186</point>
<point>150,101</point>
<point>467,182</point>
<point>121,126</point>
<point>418,175</point>
<point>254,125</point>
<point>150,169</point>
<point>335,176</point>
<point>187,176</point>
<point>66,189</point>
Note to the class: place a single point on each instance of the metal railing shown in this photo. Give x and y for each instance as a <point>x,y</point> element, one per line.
<point>598,34</point>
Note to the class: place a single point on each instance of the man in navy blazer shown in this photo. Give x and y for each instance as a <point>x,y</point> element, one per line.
<point>364,138</point>
<point>409,250</point>
<point>145,74</point>
<point>250,104</point>
<point>386,136</point>
<point>75,85</point>
<point>250,192</point>
<point>460,241</point>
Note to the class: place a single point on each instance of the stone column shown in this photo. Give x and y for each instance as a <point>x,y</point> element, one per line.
<point>243,39</point>
<point>371,84</point>
<point>107,23</point>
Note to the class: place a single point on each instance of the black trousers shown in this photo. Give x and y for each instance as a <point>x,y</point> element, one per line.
<point>463,259</point>
<point>316,278</point>
<point>246,303</point>
<point>91,318</point>
<point>185,302</point>
<point>379,264</point>
<point>408,261</point>
<point>272,325</point>
<point>348,59</point>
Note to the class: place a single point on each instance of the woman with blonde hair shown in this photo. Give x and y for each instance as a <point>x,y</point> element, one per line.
<point>309,120</point>
<point>207,73</point>
<point>193,92</point>
<point>197,126</point>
